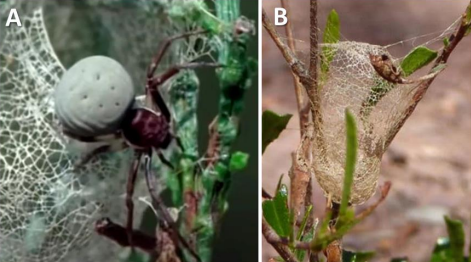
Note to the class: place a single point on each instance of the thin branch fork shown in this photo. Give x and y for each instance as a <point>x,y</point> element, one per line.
<point>298,88</point>
<point>271,238</point>
<point>423,87</point>
<point>294,63</point>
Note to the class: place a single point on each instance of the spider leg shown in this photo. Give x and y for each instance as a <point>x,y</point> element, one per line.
<point>164,160</point>
<point>154,82</point>
<point>163,48</point>
<point>159,205</point>
<point>179,143</point>
<point>129,194</point>
<point>88,157</point>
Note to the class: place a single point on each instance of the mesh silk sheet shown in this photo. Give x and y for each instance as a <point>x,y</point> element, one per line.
<point>47,210</point>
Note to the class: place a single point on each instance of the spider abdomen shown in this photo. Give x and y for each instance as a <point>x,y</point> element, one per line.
<point>143,129</point>
<point>93,96</point>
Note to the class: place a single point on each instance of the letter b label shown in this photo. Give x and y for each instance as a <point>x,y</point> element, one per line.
<point>280,16</point>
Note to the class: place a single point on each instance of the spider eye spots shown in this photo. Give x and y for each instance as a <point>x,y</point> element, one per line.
<point>97,76</point>
<point>101,105</point>
<point>384,57</point>
<point>117,103</point>
<point>112,87</point>
<point>84,97</point>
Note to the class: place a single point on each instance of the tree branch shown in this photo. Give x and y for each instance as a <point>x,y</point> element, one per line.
<point>294,63</point>
<point>298,88</point>
<point>278,244</point>
<point>423,87</point>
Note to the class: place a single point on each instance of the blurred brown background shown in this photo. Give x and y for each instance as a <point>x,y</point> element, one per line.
<point>429,162</point>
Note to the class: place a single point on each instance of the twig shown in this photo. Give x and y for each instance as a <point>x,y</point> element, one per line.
<point>299,178</point>
<point>294,63</point>
<point>272,238</point>
<point>266,195</point>
<point>298,88</point>
<point>313,90</point>
<point>158,204</point>
<point>319,244</point>
<point>384,193</point>
<point>422,88</point>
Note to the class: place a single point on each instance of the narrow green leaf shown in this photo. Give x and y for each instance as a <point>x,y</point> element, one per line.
<point>280,182</point>
<point>272,125</point>
<point>350,162</point>
<point>301,253</point>
<point>416,59</point>
<point>456,234</point>
<point>331,35</point>
<point>468,14</point>
<point>442,251</point>
<point>238,161</point>
<point>277,214</point>
<point>346,221</point>
<point>332,28</point>
<point>304,222</point>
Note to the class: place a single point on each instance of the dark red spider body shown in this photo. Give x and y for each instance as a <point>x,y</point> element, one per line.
<point>145,129</point>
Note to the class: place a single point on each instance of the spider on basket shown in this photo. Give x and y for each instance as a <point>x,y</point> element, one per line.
<point>384,66</point>
<point>95,102</point>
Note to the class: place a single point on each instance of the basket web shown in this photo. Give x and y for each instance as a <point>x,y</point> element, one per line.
<point>352,83</point>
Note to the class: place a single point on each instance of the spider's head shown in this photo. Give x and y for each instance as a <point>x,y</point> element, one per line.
<point>143,128</point>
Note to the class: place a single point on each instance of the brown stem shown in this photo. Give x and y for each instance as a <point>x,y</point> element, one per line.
<point>298,88</point>
<point>279,244</point>
<point>423,87</point>
<point>384,193</point>
<point>266,195</point>
<point>313,90</point>
<point>293,62</point>
<point>299,179</point>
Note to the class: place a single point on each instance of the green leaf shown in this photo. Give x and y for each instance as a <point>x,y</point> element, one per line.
<point>238,161</point>
<point>352,145</point>
<point>416,59</point>
<point>349,256</point>
<point>442,251</point>
<point>468,14</point>
<point>301,253</point>
<point>332,28</point>
<point>468,20</point>
<point>456,235</point>
<point>446,41</point>
<point>276,212</point>
<point>331,35</point>
<point>304,222</point>
<point>280,182</point>
<point>272,125</point>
